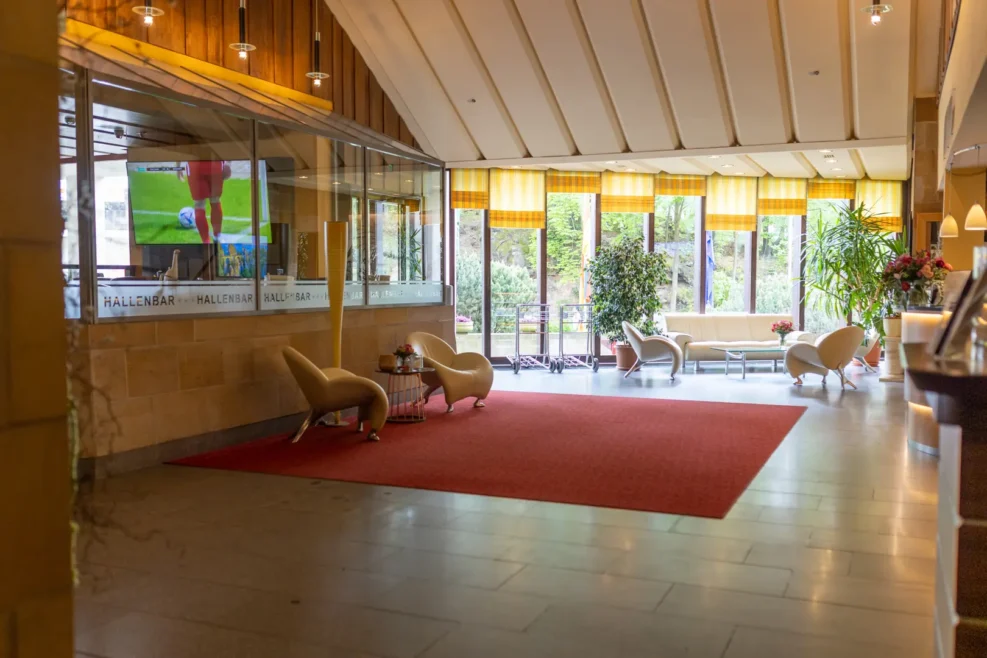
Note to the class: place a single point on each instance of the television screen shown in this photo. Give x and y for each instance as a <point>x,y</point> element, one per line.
<point>194,202</point>
<point>236,261</point>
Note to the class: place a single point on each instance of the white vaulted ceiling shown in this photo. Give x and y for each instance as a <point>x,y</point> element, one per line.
<point>769,86</point>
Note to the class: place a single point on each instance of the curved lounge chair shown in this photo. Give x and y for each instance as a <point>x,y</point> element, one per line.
<point>832,351</point>
<point>652,349</point>
<point>460,376</point>
<point>334,389</point>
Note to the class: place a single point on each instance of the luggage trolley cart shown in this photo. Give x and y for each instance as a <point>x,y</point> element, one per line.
<point>575,318</point>
<point>531,320</point>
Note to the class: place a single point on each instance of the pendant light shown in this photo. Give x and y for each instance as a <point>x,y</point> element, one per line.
<point>148,13</point>
<point>875,10</point>
<point>976,220</point>
<point>948,228</point>
<point>242,47</point>
<point>316,74</point>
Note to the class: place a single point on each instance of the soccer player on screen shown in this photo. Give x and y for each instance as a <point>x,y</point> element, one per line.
<point>205,181</point>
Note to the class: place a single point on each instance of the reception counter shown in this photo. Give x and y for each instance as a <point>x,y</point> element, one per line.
<point>923,432</point>
<point>957,395</point>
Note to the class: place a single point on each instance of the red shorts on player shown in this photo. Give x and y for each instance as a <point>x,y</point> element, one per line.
<point>205,179</point>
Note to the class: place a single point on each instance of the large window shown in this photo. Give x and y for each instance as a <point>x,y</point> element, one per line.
<point>569,236</point>
<point>675,236</point>
<point>469,280</point>
<point>726,271</point>
<point>817,320</point>
<point>513,280</point>
<point>620,225</point>
<point>777,264</point>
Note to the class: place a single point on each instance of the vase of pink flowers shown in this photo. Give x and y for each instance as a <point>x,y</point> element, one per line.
<point>782,328</point>
<point>406,355</point>
<point>915,280</point>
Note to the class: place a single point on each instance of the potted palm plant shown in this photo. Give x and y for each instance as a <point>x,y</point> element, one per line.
<point>844,264</point>
<point>625,279</point>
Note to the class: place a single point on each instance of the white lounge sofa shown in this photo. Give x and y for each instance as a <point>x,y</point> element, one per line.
<point>697,335</point>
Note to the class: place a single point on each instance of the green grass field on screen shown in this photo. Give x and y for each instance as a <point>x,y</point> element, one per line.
<point>157,197</point>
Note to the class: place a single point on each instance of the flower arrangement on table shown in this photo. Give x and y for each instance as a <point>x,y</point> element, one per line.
<point>405,354</point>
<point>782,328</point>
<point>464,324</point>
<point>915,277</point>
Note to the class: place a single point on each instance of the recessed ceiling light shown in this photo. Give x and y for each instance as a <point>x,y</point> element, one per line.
<point>841,176</point>
<point>836,168</point>
<point>611,162</point>
<point>370,189</point>
<point>727,166</point>
<point>335,182</point>
<point>825,151</point>
<point>303,176</point>
<point>713,157</point>
<point>631,169</point>
<point>407,180</point>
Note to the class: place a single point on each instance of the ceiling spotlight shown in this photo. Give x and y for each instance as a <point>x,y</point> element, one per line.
<point>316,73</point>
<point>303,176</point>
<point>630,169</point>
<point>825,151</point>
<point>875,10</point>
<point>713,157</point>
<point>836,168</point>
<point>728,166</point>
<point>470,100</point>
<point>242,47</point>
<point>148,12</point>
<point>841,176</point>
<point>335,182</point>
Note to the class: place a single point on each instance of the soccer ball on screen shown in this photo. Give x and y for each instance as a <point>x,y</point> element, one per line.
<point>186,217</point>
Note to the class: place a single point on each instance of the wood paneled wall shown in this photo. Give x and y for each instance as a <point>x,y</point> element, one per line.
<point>281,30</point>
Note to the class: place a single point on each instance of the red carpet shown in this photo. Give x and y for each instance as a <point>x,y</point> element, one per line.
<point>669,456</point>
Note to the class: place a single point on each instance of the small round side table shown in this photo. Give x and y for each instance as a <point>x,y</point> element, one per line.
<point>406,394</point>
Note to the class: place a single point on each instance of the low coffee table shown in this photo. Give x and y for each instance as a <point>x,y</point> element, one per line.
<point>405,394</point>
<point>740,354</point>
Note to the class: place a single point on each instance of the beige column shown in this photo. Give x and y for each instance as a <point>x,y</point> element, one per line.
<point>35,576</point>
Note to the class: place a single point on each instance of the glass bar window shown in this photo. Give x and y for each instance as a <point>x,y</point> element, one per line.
<point>68,193</point>
<point>404,260</point>
<point>173,207</point>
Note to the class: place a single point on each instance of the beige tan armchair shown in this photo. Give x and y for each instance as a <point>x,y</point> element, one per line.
<point>334,389</point>
<point>652,349</point>
<point>832,351</point>
<point>460,376</point>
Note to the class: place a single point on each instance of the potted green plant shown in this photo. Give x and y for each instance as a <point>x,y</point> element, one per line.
<point>844,264</point>
<point>625,279</point>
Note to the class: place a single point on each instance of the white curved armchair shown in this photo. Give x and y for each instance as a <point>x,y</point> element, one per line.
<point>334,389</point>
<point>832,351</point>
<point>652,349</point>
<point>460,376</point>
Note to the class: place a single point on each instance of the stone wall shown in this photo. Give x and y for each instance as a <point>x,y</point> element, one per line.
<point>159,381</point>
<point>35,486</point>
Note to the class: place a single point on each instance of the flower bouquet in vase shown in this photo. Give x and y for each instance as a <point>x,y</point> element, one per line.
<point>782,328</point>
<point>405,354</point>
<point>914,280</point>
